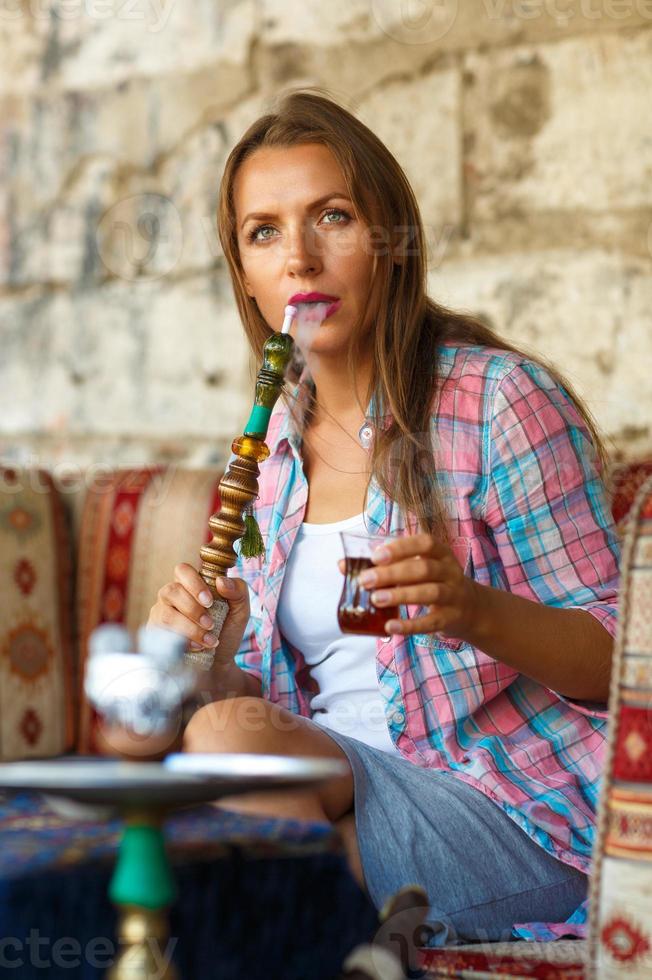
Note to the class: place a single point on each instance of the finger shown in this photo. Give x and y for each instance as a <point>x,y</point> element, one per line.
<point>415,595</point>
<point>190,578</point>
<point>409,571</point>
<point>172,619</point>
<point>432,623</point>
<point>234,590</point>
<point>176,595</point>
<point>407,546</point>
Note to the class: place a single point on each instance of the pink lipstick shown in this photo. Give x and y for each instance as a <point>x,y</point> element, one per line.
<point>314,298</point>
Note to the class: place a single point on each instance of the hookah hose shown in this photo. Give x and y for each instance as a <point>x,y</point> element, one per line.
<point>238,487</point>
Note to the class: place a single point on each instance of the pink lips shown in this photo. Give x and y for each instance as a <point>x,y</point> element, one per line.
<point>317,298</point>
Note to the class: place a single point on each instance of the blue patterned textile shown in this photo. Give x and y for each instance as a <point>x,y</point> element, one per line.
<point>258,897</point>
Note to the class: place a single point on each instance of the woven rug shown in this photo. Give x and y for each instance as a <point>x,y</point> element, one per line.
<point>258,898</point>
<point>560,960</point>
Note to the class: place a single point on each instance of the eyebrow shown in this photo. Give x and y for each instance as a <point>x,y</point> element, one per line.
<point>270,214</point>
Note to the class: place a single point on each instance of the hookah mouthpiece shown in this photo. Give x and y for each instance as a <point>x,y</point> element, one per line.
<point>290,313</point>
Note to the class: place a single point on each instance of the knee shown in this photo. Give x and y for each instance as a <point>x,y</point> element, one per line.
<point>235,725</point>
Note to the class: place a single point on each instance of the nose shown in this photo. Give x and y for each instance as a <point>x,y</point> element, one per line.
<point>303,256</point>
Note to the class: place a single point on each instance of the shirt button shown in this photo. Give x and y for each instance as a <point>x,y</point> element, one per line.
<point>365,435</point>
<point>398,717</point>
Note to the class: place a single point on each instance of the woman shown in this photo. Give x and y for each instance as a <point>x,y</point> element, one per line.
<point>474,732</point>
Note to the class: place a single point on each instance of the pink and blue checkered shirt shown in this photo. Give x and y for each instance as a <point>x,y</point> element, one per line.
<point>528,513</point>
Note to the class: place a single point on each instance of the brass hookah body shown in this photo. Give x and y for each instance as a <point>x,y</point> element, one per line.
<point>238,488</point>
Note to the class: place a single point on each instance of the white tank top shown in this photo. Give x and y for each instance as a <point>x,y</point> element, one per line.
<point>342,664</point>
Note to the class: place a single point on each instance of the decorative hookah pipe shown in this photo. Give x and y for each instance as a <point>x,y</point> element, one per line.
<point>239,485</point>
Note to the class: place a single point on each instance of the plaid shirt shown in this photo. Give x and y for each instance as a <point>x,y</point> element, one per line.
<point>528,513</point>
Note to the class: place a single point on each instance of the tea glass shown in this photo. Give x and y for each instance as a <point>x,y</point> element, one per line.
<point>356,613</point>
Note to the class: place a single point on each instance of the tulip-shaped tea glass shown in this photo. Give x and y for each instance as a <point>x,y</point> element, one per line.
<point>356,612</point>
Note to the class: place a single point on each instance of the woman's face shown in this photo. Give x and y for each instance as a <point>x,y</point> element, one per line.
<point>298,233</point>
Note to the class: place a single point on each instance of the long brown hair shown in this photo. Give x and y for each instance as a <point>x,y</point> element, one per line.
<point>409,325</point>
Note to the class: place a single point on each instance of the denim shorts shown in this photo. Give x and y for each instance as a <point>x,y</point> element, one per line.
<point>482,873</point>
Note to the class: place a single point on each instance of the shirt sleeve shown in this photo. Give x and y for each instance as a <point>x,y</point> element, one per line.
<point>546,505</point>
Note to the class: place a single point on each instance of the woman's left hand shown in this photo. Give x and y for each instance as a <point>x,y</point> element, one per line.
<point>419,570</point>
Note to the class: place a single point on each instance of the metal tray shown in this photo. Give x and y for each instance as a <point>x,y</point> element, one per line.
<point>178,780</point>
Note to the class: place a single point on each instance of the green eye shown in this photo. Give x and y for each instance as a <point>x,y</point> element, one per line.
<point>255,234</point>
<point>339,213</point>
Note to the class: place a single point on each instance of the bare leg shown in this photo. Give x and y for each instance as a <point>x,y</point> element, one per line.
<point>250,724</point>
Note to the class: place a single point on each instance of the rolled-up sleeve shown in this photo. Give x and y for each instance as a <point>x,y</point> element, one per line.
<point>546,505</point>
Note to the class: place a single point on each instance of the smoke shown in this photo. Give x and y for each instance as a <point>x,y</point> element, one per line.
<point>309,318</point>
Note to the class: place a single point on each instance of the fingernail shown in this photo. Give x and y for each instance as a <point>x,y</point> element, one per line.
<point>366,578</point>
<point>227,584</point>
<point>382,595</point>
<point>380,554</point>
<point>393,626</point>
<point>206,622</point>
<point>210,639</point>
<point>206,599</point>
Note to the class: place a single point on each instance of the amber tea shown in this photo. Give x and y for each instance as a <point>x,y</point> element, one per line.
<point>356,612</point>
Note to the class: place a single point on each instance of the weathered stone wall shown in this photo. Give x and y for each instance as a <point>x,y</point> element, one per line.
<point>524,125</point>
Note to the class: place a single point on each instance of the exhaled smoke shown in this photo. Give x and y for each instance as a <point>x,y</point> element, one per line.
<point>308,321</point>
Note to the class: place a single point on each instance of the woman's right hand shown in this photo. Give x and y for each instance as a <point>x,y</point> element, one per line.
<point>182,606</point>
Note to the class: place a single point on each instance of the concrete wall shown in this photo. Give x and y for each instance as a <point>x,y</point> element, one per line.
<point>524,125</point>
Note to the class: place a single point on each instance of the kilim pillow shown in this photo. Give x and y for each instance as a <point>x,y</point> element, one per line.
<point>136,525</point>
<point>625,481</point>
<point>37,703</point>
<point>621,890</point>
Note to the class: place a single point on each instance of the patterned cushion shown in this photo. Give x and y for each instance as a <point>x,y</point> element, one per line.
<point>136,525</point>
<point>37,707</point>
<point>621,917</point>
<point>626,480</point>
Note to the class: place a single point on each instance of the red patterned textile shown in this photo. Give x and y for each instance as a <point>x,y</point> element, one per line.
<point>621,912</point>
<point>37,703</point>
<point>627,479</point>
<point>564,961</point>
<point>135,527</point>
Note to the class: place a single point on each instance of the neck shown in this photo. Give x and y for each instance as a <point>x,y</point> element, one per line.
<point>338,398</point>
